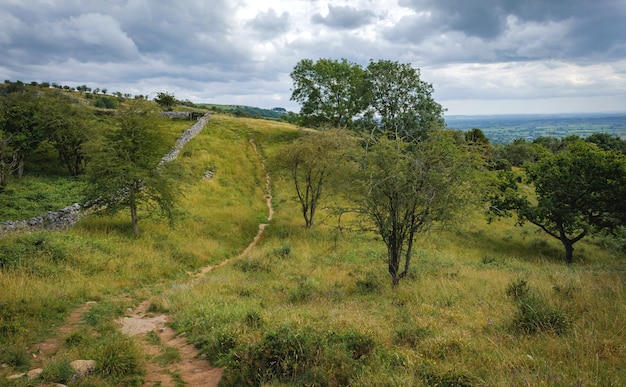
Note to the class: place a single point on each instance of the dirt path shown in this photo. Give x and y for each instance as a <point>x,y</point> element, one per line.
<point>171,360</point>
<point>190,368</point>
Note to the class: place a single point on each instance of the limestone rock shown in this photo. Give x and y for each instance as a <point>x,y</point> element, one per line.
<point>83,367</point>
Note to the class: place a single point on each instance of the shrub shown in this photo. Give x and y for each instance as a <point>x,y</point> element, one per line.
<point>517,289</point>
<point>304,292</point>
<point>369,285</point>
<point>535,314</point>
<point>299,356</point>
<point>283,251</point>
<point>14,357</point>
<point>58,371</point>
<point>118,355</point>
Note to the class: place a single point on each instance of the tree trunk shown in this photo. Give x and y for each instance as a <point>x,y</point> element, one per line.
<point>569,250</point>
<point>394,263</point>
<point>133,214</point>
<point>20,166</point>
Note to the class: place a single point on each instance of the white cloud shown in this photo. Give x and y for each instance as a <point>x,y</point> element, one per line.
<point>504,53</point>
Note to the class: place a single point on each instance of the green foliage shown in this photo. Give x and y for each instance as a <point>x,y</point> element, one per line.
<point>578,190</point>
<point>58,371</point>
<point>402,100</point>
<point>105,102</point>
<point>166,100</point>
<point>15,356</point>
<point>118,355</point>
<point>535,314</point>
<point>331,92</point>
<point>301,356</point>
<point>168,355</point>
<point>103,312</point>
<point>369,285</point>
<point>518,289</point>
<point>317,163</point>
<point>125,173</point>
<point>405,188</point>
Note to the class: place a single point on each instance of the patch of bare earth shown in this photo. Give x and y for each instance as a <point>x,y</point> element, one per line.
<point>189,368</point>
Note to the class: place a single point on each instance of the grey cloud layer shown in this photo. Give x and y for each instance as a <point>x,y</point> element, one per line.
<point>244,50</point>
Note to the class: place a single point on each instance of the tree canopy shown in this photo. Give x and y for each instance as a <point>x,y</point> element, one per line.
<point>576,191</point>
<point>331,92</point>
<point>125,172</point>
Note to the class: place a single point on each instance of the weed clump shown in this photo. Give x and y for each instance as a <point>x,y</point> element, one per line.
<point>119,356</point>
<point>371,284</point>
<point>58,371</point>
<point>534,313</point>
<point>302,356</point>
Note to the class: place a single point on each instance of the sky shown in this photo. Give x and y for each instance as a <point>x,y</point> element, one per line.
<point>481,56</point>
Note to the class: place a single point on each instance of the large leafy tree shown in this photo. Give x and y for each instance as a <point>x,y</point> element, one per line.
<point>23,122</point>
<point>576,191</point>
<point>125,173</point>
<point>407,187</point>
<point>331,92</point>
<point>315,163</point>
<point>401,100</point>
<point>70,127</point>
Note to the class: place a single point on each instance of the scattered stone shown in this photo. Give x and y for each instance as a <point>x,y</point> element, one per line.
<point>83,367</point>
<point>16,376</point>
<point>34,374</point>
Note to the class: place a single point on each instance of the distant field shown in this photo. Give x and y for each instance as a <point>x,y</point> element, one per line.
<point>506,128</point>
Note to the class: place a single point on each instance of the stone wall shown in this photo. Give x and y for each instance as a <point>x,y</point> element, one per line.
<point>68,216</point>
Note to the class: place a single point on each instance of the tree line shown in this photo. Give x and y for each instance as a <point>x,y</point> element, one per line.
<point>383,151</point>
<point>116,155</point>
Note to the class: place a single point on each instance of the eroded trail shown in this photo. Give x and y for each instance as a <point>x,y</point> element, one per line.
<point>191,369</point>
<point>151,331</point>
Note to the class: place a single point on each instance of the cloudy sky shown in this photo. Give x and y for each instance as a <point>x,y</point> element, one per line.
<point>482,56</point>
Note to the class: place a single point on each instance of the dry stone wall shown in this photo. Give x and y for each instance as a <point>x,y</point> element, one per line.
<point>68,216</point>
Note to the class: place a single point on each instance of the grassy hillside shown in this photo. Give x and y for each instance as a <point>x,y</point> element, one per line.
<point>316,306</point>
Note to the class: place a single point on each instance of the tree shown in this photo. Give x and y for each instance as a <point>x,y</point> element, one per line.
<point>407,187</point>
<point>23,122</point>
<point>401,100</point>
<point>69,127</point>
<point>314,163</point>
<point>165,100</point>
<point>331,92</point>
<point>606,141</point>
<point>8,159</point>
<point>125,173</point>
<point>577,190</point>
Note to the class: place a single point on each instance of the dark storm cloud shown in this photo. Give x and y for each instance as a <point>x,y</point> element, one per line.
<point>344,17</point>
<point>593,27</point>
<point>269,24</point>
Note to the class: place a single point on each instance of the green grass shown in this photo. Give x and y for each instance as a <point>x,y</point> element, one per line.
<point>327,293</point>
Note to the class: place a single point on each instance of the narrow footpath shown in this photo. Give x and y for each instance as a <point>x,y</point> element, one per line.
<point>191,369</point>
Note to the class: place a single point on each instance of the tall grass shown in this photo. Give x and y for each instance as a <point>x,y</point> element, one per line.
<point>325,292</point>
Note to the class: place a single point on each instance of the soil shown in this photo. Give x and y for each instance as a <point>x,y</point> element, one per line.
<point>190,369</point>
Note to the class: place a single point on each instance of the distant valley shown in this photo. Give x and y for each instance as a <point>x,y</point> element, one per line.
<point>506,128</point>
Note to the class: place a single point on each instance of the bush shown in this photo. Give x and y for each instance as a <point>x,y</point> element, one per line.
<point>105,102</point>
<point>118,355</point>
<point>299,356</point>
<point>58,371</point>
<point>517,289</point>
<point>534,313</point>
<point>369,285</point>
